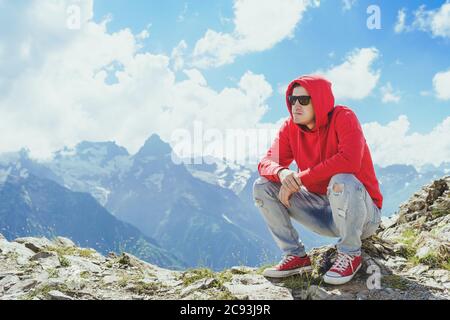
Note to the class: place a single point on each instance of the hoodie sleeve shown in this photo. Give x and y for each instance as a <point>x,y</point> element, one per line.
<point>350,151</point>
<point>279,155</point>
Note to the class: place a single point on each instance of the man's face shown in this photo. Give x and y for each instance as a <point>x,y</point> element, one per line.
<point>303,115</point>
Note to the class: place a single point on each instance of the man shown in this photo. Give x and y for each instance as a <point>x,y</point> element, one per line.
<point>335,193</point>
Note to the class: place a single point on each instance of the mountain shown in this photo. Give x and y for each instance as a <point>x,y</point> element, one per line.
<point>34,206</point>
<point>221,172</point>
<point>201,222</point>
<point>94,167</point>
<point>204,224</point>
<point>408,259</point>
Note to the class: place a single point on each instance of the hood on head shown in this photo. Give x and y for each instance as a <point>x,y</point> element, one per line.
<point>321,94</point>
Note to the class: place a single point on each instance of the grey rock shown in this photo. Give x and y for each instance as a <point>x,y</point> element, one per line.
<point>57,295</point>
<point>42,255</point>
<point>22,286</point>
<point>419,269</point>
<point>63,242</point>
<point>201,284</point>
<point>34,244</point>
<point>84,264</point>
<point>8,281</point>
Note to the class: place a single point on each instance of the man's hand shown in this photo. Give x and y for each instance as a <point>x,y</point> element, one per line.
<point>290,180</point>
<point>290,183</point>
<point>284,196</point>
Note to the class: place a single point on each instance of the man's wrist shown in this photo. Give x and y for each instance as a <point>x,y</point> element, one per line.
<point>283,173</point>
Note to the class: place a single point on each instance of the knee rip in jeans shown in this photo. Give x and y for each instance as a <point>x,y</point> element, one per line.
<point>338,190</point>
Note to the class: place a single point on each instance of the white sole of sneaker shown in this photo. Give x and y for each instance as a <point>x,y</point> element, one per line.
<point>283,274</point>
<point>340,280</point>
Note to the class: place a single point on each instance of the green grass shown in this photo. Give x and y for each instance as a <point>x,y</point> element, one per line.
<point>193,275</point>
<point>64,261</point>
<point>437,213</point>
<point>53,273</point>
<point>43,290</point>
<point>72,251</point>
<point>395,281</point>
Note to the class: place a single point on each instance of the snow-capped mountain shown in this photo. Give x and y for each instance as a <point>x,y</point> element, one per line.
<point>94,167</point>
<point>220,172</point>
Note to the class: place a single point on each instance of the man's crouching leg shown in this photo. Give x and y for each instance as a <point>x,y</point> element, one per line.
<point>278,220</point>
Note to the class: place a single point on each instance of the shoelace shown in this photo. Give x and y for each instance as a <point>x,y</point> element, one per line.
<point>342,262</point>
<point>285,260</point>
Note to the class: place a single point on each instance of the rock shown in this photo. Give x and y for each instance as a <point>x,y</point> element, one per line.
<point>22,286</point>
<point>42,255</point>
<point>201,284</point>
<point>111,279</point>
<point>63,242</point>
<point>317,293</point>
<point>34,244</point>
<point>2,237</point>
<point>16,250</point>
<point>57,295</point>
<point>256,287</point>
<point>83,264</point>
<point>417,270</point>
<point>7,282</point>
<point>46,259</point>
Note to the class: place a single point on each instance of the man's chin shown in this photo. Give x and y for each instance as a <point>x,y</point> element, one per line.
<point>296,121</point>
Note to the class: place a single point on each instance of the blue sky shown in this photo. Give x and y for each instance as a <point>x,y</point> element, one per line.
<point>408,60</point>
<point>113,70</point>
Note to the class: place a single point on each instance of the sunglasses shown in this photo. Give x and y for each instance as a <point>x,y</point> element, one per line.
<point>303,100</point>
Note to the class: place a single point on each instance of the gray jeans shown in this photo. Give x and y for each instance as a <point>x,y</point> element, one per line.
<point>347,211</point>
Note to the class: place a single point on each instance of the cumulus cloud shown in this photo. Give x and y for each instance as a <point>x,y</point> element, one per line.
<point>394,143</point>
<point>436,22</point>
<point>92,84</point>
<point>401,18</point>
<point>389,95</point>
<point>354,78</point>
<point>251,32</point>
<point>441,84</point>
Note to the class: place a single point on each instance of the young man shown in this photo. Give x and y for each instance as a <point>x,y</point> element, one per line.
<point>335,193</point>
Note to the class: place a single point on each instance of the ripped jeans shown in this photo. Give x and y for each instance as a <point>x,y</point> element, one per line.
<point>347,211</point>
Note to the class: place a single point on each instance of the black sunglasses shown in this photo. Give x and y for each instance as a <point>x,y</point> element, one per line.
<point>303,100</point>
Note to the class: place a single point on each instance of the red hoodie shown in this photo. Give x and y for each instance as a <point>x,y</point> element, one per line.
<point>335,145</point>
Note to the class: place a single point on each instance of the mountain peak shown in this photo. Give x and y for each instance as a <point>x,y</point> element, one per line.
<point>154,146</point>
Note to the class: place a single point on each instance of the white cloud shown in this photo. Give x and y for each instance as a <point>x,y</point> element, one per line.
<point>393,143</point>
<point>441,84</point>
<point>177,55</point>
<point>436,22</point>
<point>388,94</point>
<point>354,78</point>
<point>401,17</point>
<point>59,92</point>
<point>348,4</point>
<point>251,33</point>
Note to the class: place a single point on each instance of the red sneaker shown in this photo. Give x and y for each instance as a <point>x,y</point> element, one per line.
<point>343,269</point>
<point>290,265</point>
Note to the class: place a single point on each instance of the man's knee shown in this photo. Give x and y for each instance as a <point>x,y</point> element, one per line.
<point>340,182</point>
<point>262,189</point>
